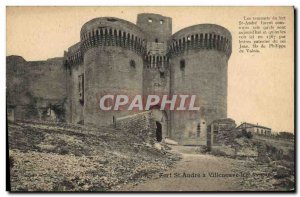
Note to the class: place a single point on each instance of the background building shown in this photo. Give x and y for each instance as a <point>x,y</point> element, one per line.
<point>255,129</point>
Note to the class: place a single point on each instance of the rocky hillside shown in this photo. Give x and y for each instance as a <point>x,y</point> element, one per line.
<point>271,160</point>
<point>62,157</point>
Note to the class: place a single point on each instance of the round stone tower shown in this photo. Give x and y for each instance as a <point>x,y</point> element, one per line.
<point>198,61</point>
<point>113,51</point>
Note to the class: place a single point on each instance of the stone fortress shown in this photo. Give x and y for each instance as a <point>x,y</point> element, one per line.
<point>117,56</point>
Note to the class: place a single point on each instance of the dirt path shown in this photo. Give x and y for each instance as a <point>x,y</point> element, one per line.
<point>192,164</point>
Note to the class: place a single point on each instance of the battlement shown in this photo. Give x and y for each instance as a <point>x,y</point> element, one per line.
<point>200,37</point>
<point>74,55</point>
<point>109,31</point>
<point>156,62</point>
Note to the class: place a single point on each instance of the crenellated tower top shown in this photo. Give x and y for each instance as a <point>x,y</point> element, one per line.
<point>200,37</point>
<point>110,31</point>
<point>151,38</point>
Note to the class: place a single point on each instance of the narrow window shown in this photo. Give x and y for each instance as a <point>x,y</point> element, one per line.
<point>156,40</point>
<point>198,130</point>
<point>114,121</point>
<point>161,21</point>
<point>132,63</point>
<point>182,65</point>
<point>81,88</point>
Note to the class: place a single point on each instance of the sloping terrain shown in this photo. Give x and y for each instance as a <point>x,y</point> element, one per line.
<point>63,157</point>
<point>267,163</point>
<point>205,172</point>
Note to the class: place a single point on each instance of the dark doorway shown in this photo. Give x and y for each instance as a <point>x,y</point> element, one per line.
<point>158,132</point>
<point>208,137</point>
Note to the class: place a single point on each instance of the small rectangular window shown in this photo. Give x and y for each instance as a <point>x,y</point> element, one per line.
<point>162,75</point>
<point>182,65</point>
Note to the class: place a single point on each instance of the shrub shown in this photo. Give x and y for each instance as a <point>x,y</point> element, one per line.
<point>244,133</point>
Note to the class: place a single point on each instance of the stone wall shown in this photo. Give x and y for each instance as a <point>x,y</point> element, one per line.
<point>34,86</point>
<point>75,103</point>
<point>156,82</point>
<point>141,124</point>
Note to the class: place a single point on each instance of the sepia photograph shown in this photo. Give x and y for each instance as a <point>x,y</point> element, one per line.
<point>150,99</point>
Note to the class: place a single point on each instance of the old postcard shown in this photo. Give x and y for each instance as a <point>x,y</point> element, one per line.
<point>110,99</point>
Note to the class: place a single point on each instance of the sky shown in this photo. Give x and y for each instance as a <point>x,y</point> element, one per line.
<point>260,85</point>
